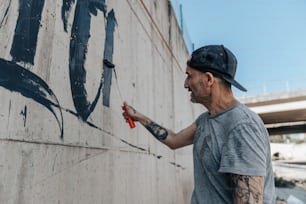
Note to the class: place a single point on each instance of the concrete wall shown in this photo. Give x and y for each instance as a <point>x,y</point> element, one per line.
<point>62,136</point>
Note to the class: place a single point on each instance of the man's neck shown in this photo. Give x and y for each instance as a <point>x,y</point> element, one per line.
<point>220,102</point>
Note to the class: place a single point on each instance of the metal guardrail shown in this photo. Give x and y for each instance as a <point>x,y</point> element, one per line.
<point>273,87</point>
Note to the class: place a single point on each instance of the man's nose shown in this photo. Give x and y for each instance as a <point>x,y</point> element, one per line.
<point>186,84</point>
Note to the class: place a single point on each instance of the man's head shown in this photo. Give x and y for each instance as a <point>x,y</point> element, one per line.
<point>218,60</point>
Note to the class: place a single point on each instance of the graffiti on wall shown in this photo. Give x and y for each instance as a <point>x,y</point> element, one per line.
<point>17,78</point>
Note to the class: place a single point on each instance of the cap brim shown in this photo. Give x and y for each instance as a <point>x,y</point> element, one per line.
<point>234,83</point>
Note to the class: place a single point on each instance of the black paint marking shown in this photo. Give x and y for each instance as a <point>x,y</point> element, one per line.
<point>24,114</point>
<point>26,31</point>
<point>176,165</point>
<point>157,156</point>
<point>78,49</point>
<point>16,78</point>
<point>108,55</point>
<point>96,127</point>
<point>5,13</point>
<point>122,140</point>
<point>131,145</point>
<point>95,5</point>
<point>66,11</point>
<point>108,64</point>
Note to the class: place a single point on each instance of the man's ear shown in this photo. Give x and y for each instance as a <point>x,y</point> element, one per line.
<point>210,78</point>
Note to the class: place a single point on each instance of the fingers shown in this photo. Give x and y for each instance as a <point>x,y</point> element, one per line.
<point>129,112</point>
<point>125,115</point>
<point>129,108</point>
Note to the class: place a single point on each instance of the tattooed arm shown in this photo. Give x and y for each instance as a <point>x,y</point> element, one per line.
<point>247,189</point>
<point>166,136</point>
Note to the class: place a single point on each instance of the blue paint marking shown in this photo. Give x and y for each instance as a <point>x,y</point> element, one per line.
<point>18,79</point>
<point>66,7</point>
<point>26,31</point>
<point>80,34</point>
<point>5,13</point>
<point>108,55</point>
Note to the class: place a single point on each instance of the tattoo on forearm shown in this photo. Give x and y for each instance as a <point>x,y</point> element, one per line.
<point>157,131</point>
<point>247,189</point>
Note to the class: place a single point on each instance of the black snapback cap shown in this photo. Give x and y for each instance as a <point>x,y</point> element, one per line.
<point>218,60</point>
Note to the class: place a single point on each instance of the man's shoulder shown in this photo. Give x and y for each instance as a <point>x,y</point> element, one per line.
<point>244,111</point>
<point>202,116</point>
<point>240,116</point>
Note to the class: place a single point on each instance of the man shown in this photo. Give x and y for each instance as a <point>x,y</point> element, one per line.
<point>231,147</point>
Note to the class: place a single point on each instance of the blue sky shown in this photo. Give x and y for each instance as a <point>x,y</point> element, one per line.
<point>267,37</point>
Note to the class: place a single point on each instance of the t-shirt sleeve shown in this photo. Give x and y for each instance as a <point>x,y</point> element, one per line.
<point>200,119</point>
<point>244,152</point>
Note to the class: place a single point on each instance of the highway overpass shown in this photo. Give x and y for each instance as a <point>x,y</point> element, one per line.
<point>282,113</point>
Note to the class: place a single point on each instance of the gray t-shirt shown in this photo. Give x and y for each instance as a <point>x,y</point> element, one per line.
<point>234,141</point>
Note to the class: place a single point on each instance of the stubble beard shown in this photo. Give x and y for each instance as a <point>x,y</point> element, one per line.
<point>193,98</point>
<point>197,99</point>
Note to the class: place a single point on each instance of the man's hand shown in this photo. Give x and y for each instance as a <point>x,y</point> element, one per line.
<point>130,112</point>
